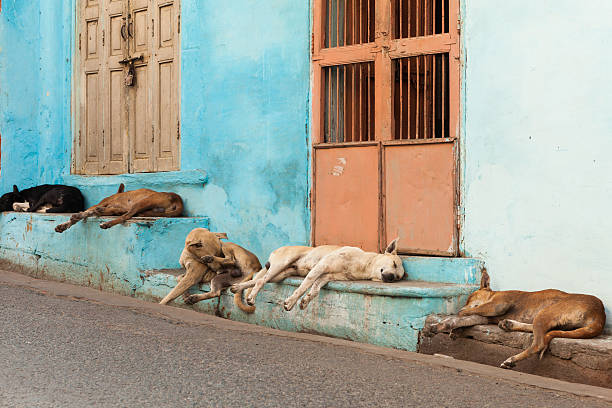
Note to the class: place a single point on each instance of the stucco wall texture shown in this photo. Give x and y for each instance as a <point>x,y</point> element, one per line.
<point>245,81</point>
<point>537,180</point>
<point>536,125</point>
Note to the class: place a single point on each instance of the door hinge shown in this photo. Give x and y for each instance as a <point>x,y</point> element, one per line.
<point>152,134</point>
<point>152,28</point>
<point>102,138</point>
<point>179,24</point>
<point>79,42</point>
<point>312,44</point>
<point>79,137</point>
<point>103,37</point>
<point>178,129</point>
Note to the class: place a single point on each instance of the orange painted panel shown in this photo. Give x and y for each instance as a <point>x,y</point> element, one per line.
<point>420,191</point>
<point>346,200</point>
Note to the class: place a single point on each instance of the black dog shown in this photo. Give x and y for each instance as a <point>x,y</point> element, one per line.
<point>46,198</point>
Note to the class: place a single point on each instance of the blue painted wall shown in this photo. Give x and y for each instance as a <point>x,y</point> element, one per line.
<point>244,113</point>
<point>537,141</point>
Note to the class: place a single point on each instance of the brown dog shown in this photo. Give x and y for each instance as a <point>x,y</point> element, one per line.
<point>207,259</point>
<point>547,313</point>
<point>128,204</point>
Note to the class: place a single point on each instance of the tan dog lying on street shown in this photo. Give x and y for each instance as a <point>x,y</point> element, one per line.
<point>547,314</point>
<point>128,204</point>
<point>207,259</point>
<point>322,264</point>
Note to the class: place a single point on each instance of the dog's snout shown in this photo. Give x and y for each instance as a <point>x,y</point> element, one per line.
<point>388,277</point>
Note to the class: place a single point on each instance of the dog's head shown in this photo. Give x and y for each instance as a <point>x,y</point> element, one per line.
<point>201,242</point>
<point>479,297</point>
<point>388,267</point>
<point>7,200</point>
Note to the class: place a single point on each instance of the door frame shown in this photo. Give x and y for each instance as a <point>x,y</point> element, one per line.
<point>384,125</point>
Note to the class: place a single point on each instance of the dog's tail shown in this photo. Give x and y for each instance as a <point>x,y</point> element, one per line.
<point>238,296</point>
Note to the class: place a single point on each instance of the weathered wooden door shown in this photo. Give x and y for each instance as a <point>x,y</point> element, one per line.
<point>128,86</point>
<point>385,110</point>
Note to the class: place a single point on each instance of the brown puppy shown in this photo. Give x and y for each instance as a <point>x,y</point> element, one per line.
<point>547,313</point>
<point>207,259</point>
<point>128,204</point>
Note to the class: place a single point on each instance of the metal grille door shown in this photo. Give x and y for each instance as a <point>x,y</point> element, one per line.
<point>385,110</point>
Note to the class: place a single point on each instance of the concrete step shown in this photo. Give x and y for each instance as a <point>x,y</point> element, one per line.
<point>86,254</point>
<point>587,361</point>
<point>384,314</point>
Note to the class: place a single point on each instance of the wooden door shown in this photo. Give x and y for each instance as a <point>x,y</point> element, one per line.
<point>385,142</point>
<point>128,126</point>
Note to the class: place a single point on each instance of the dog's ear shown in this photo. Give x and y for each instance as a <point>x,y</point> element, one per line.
<point>221,235</point>
<point>121,188</point>
<point>485,281</point>
<point>15,189</point>
<point>392,247</point>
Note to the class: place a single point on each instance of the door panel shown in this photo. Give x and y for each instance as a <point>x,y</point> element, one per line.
<point>420,197</point>
<point>124,128</point>
<point>164,65</point>
<point>346,203</point>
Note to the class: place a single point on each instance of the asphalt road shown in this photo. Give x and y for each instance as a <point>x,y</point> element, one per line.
<point>62,351</point>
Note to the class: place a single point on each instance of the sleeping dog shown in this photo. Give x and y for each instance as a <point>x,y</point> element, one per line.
<point>547,314</point>
<point>47,198</point>
<point>127,204</point>
<point>321,265</point>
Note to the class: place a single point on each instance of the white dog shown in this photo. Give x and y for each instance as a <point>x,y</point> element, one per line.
<point>322,264</point>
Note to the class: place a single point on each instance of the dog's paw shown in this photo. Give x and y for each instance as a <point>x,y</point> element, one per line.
<point>508,364</point>
<point>304,302</point>
<point>206,259</point>
<point>234,288</point>
<point>250,300</point>
<point>105,225</point>
<point>190,299</point>
<point>288,305</point>
<point>505,325</point>
<point>60,228</point>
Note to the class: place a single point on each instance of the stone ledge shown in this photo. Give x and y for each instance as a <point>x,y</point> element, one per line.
<point>588,361</point>
<point>139,180</point>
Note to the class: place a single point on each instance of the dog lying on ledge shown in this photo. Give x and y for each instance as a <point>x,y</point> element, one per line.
<point>547,314</point>
<point>128,204</point>
<point>323,264</point>
<point>207,259</point>
<point>46,198</point>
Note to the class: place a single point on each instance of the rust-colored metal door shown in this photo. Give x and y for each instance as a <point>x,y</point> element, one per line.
<point>385,110</point>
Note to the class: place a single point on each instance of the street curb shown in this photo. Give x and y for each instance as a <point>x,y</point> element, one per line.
<point>81,293</point>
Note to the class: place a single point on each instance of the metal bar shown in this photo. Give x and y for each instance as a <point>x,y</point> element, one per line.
<point>358,99</point>
<point>368,92</point>
<point>347,105</point>
<point>433,14</point>
<point>329,24</point>
<point>400,17</point>
<point>345,144</point>
<point>418,20</point>
<point>359,17</point>
<point>354,33</point>
<point>400,117</point>
<point>368,18</point>
<point>434,97</point>
<point>345,18</point>
<point>329,104</point>
<point>444,96</point>
<point>337,104</point>
<point>362,106</point>
<point>406,63</point>
<point>425,96</point>
<point>338,23</point>
<point>443,23</point>
<point>418,96</point>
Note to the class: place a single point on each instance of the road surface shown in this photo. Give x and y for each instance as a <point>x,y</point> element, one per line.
<point>60,348</point>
